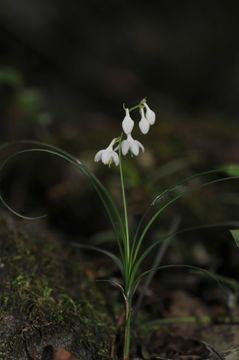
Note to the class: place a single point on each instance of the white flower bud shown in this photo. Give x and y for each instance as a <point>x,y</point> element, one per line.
<point>127,123</point>
<point>150,114</point>
<point>143,124</point>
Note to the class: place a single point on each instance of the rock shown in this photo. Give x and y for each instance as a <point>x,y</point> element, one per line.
<point>62,354</point>
<point>47,301</point>
<point>232,354</point>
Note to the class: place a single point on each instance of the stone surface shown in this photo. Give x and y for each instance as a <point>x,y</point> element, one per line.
<point>47,300</point>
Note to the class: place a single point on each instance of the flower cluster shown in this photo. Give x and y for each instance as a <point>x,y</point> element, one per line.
<point>110,155</point>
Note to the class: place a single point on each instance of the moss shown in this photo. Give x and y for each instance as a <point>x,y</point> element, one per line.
<point>46,297</point>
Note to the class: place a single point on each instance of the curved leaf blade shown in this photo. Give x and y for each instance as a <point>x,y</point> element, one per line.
<point>235,235</point>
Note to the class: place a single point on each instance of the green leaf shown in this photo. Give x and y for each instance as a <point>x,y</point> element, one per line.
<point>231,169</point>
<point>235,235</point>
<point>10,76</point>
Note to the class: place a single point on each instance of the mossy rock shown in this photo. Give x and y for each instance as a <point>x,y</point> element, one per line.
<point>47,299</point>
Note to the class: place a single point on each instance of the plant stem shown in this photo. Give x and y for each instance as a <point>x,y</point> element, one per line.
<point>127,330</point>
<point>138,106</point>
<point>126,244</point>
<point>127,266</point>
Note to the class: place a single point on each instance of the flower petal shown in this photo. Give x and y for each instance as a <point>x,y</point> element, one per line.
<point>134,148</point>
<point>98,156</point>
<point>140,145</point>
<point>125,146</point>
<point>115,158</point>
<point>106,156</point>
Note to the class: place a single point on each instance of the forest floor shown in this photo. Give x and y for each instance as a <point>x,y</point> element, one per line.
<point>52,307</point>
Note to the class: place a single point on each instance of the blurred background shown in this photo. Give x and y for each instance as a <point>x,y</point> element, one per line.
<point>65,71</point>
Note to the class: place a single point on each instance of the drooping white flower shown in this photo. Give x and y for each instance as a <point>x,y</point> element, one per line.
<point>131,145</point>
<point>144,123</point>
<point>150,114</point>
<point>127,123</point>
<point>108,155</point>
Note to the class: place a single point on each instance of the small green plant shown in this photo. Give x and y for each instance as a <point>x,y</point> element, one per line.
<point>131,250</point>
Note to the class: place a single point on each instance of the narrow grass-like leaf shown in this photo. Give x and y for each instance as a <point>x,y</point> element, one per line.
<point>183,181</point>
<point>231,169</point>
<point>116,284</point>
<point>202,320</point>
<point>104,195</point>
<point>175,234</point>
<point>189,267</point>
<point>112,256</point>
<point>163,195</point>
<point>184,192</point>
<point>235,235</point>
<point>24,217</point>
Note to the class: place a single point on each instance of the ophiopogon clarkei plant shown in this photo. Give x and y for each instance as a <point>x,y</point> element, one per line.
<point>131,250</point>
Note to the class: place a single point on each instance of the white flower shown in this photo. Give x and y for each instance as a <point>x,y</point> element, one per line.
<point>131,145</point>
<point>108,155</point>
<point>127,123</point>
<point>144,123</point>
<point>150,114</point>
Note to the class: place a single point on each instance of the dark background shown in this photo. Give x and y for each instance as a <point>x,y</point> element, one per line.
<point>89,58</point>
